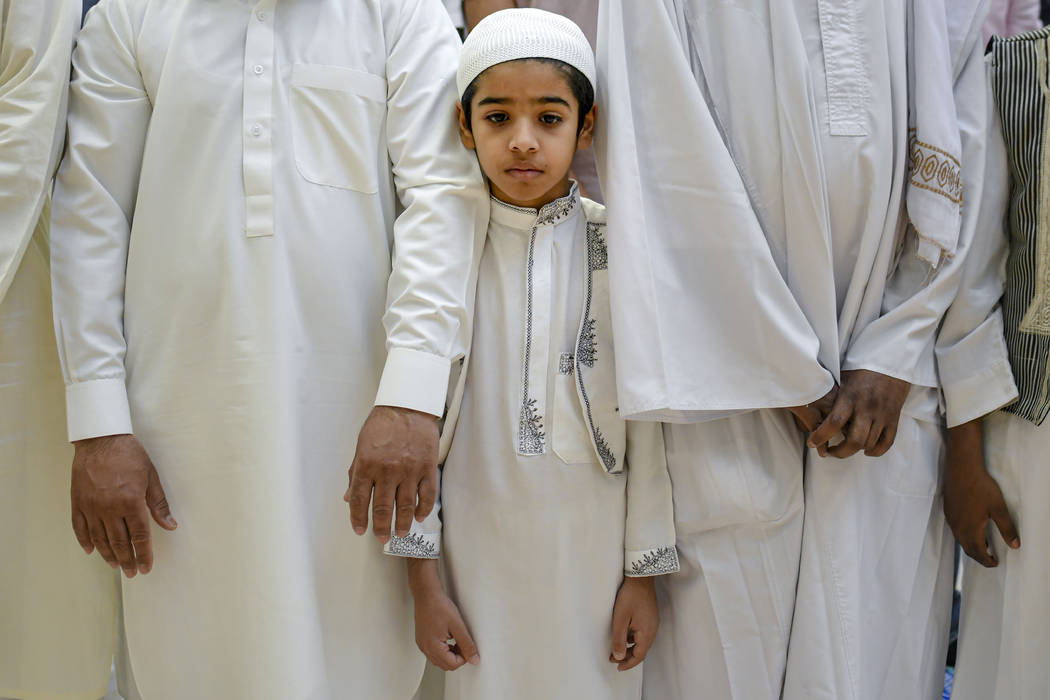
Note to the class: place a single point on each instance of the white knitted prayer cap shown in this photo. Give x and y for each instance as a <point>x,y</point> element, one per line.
<point>510,35</point>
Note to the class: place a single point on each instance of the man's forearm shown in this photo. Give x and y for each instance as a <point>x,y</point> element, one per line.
<point>476,10</point>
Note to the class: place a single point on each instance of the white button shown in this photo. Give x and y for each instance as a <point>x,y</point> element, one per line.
<point>256,129</point>
<point>261,16</point>
<point>258,70</point>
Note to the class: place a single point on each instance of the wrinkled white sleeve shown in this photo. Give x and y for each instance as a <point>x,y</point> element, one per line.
<point>438,237</point>
<point>704,322</point>
<point>649,543</point>
<point>972,359</point>
<point>36,38</point>
<point>109,113</point>
<point>900,342</point>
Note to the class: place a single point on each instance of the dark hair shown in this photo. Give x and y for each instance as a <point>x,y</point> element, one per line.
<point>578,83</point>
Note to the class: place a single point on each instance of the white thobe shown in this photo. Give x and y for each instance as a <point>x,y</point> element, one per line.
<point>784,204</point>
<point>248,187</point>
<point>56,605</point>
<point>535,534</point>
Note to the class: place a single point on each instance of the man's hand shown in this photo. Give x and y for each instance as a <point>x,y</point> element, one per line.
<point>397,454</point>
<point>115,489</point>
<point>866,410</point>
<point>972,497</point>
<point>441,634</point>
<point>808,417</point>
<point>636,618</point>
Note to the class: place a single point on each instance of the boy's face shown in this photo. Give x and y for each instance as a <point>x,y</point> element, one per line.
<point>523,128</point>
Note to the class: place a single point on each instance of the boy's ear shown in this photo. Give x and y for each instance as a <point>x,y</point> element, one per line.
<point>465,134</point>
<point>586,135</point>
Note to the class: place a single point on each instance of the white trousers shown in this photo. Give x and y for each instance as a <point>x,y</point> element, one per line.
<point>725,618</point>
<point>1004,634</point>
<point>875,585</point>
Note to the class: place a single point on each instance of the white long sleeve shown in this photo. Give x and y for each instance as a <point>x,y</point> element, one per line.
<point>973,363</point>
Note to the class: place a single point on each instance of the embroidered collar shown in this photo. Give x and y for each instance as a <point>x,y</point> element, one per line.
<point>524,219</point>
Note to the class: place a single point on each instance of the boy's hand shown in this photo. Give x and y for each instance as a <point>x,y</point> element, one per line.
<point>636,618</point>
<point>441,634</point>
<point>808,417</point>
<point>396,458</point>
<point>866,410</point>
<point>972,497</point>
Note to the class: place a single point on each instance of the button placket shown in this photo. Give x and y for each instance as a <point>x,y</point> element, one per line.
<point>257,165</point>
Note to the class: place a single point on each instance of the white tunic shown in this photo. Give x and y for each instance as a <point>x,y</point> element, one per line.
<point>56,605</point>
<point>783,204</point>
<point>248,186</point>
<point>537,533</point>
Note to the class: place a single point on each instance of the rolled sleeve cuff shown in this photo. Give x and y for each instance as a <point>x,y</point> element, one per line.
<point>414,379</point>
<point>651,562</point>
<point>416,545</point>
<point>979,394</point>
<point>96,408</point>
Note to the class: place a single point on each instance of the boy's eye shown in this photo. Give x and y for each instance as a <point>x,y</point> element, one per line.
<point>551,119</point>
<point>496,117</point>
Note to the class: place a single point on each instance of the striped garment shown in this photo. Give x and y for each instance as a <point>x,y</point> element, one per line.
<point>1019,80</point>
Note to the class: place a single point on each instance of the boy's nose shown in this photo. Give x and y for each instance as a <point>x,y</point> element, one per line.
<point>523,140</point>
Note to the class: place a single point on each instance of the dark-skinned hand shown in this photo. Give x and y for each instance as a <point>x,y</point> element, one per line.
<point>394,469</point>
<point>636,618</point>
<point>808,417</point>
<point>114,491</point>
<point>972,497</point>
<point>866,411</point>
<point>441,634</point>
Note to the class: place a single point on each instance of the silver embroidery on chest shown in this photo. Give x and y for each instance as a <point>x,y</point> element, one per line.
<point>565,364</point>
<point>531,438</point>
<point>597,252</point>
<point>587,343</point>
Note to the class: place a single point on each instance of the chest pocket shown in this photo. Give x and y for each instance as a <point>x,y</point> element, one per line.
<point>337,122</point>
<point>572,443</point>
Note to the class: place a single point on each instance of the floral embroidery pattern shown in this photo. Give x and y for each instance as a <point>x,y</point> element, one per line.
<point>530,430</point>
<point>413,545</point>
<point>587,348</point>
<point>597,252</point>
<point>557,210</point>
<point>655,562</point>
<point>935,170</point>
<point>565,364</point>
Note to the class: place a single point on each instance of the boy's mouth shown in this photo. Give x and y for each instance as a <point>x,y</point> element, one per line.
<point>524,172</point>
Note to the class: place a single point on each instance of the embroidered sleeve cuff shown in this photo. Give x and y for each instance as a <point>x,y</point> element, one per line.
<point>416,545</point>
<point>96,408</point>
<point>651,562</point>
<point>979,394</point>
<point>414,379</point>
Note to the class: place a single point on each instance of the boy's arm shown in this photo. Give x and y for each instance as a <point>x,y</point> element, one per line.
<point>437,244</point>
<point>649,545</point>
<point>441,633</point>
<point>36,39</point>
<point>423,540</point>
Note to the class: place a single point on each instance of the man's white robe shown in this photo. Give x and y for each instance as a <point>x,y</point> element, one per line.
<point>758,192</point>
<point>248,187</point>
<point>56,604</point>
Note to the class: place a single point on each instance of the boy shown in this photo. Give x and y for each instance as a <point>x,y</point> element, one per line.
<point>542,517</point>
